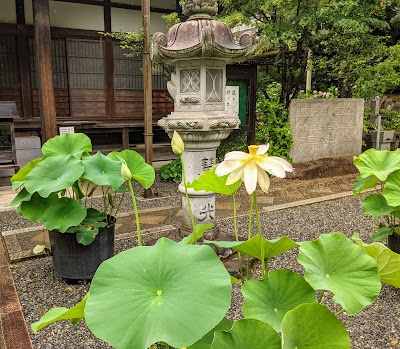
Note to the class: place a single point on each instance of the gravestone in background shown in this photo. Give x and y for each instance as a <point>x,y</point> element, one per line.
<point>326,128</point>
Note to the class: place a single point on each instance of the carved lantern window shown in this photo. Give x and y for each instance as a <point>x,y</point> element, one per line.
<point>214,88</point>
<point>190,81</point>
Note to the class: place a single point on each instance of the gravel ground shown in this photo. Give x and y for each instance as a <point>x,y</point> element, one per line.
<point>377,327</point>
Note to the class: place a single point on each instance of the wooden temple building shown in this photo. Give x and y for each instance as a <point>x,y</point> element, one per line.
<point>54,60</point>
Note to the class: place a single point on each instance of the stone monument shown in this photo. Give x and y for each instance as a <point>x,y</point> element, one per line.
<point>326,128</point>
<point>197,52</point>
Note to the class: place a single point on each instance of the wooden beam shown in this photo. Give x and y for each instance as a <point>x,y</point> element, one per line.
<point>41,20</point>
<point>107,15</point>
<point>117,5</point>
<point>24,71</point>
<point>20,9</point>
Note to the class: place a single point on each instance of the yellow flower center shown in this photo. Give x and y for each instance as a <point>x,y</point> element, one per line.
<point>253,149</point>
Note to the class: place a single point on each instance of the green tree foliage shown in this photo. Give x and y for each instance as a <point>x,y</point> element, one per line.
<point>347,38</point>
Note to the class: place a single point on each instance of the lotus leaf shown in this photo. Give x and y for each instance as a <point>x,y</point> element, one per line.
<point>74,144</point>
<point>361,184</point>
<point>379,163</point>
<point>388,263</point>
<point>170,292</point>
<point>247,333</point>
<point>102,170</point>
<point>313,326</point>
<point>19,178</point>
<point>205,342</point>
<point>375,205</point>
<point>54,174</point>
<point>75,314</point>
<point>23,195</point>
<point>64,213</point>
<point>141,172</point>
<point>209,181</point>
<point>270,299</point>
<point>391,192</point>
<point>252,247</point>
<point>35,208</point>
<point>334,263</point>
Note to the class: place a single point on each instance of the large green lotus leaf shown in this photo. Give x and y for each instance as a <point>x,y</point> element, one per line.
<point>205,342</point>
<point>375,205</point>
<point>54,174</point>
<point>141,172</point>
<point>379,163</point>
<point>23,195</point>
<point>361,184</point>
<point>19,178</point>
<point>313,326</point>
<point>391,192</point>
<point>270,299</point>
<point>334,263</point>
<point>102,170</point>
<point>209,181</point>
<point>167,292</point>
<point>252,247</point>
<point>75,314</point>
<point>247,333</point>
<point>388,263</point>
<point>35,208</point>
<point>63,214</point>
<point>74,144</point>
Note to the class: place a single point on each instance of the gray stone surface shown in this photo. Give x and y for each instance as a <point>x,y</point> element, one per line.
<point>326,128</point>
<point>27,149</point>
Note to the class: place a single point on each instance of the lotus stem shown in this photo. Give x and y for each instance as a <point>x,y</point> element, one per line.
<point>321,296</point>
<point>249,235</point>
<point>264,268</point>
<point>339,312</point>
<point>120,201</point>
<point>186,193</point>
<point>237,237</point>
<point>135,209</point>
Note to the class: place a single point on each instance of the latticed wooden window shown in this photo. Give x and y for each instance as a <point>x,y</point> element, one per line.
<point>59,60</point>
<point>86,64</point>
<point>9,69</point>
<point>128,72</point>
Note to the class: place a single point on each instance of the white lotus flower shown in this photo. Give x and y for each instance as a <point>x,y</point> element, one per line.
<point>250,168</point>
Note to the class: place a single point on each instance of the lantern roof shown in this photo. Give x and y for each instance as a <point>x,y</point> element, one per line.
<point>200,36</point>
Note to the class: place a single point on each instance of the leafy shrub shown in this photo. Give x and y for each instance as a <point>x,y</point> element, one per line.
<point>331,92</point>
<point>272,125</point>
<point>235,141</point>
<point>172,171</point>
<point>390,120</point>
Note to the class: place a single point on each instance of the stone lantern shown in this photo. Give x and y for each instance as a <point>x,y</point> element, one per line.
<point>197,52</point>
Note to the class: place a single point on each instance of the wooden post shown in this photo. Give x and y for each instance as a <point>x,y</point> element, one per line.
<point>109,62</point>
<point>109,76</point>
<point>148,90</point>
<point>25,78</point>
<point>47,105</point>
<point>309,70</point>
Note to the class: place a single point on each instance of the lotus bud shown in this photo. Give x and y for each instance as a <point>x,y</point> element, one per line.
<point>177,144</point>
<point>126,172</point>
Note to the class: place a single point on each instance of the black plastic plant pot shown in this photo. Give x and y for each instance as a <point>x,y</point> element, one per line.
<point>73,261</point>
<point>394,243</point>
